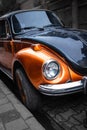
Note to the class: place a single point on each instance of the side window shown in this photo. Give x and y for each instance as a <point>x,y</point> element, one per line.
<point>2,29</point>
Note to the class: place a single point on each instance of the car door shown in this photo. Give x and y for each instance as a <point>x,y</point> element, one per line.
<point>5,47</point>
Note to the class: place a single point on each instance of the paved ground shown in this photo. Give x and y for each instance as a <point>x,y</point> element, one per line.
<point>67,111</point>
<point>13,115</point>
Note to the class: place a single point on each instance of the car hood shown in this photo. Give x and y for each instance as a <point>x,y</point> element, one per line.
<point>69,43</point>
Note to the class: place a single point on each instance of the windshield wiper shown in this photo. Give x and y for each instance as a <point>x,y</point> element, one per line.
<point>32,27</point>
<point>52,25</point>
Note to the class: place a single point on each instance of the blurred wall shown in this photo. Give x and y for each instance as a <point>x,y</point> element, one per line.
<point>71,12</point>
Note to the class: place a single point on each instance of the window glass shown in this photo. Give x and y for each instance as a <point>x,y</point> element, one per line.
<point>2,29</point>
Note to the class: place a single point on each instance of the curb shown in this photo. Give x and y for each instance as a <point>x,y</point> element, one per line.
<point>20,118</point>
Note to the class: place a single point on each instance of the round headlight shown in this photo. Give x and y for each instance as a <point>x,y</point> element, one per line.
<point>51,69</point>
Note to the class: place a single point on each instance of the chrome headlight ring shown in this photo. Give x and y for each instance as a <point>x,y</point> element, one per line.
<point>51,69</point>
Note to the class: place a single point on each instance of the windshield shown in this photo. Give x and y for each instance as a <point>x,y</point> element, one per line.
<point>30,19</point>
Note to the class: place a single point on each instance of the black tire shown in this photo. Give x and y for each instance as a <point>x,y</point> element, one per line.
<point>29,95</point>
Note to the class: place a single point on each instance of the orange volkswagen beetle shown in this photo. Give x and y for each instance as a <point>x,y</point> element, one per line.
<point>42,56</point>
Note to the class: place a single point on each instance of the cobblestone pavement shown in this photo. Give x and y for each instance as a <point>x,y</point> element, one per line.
<point>67,111</point>
<point>13,115</point>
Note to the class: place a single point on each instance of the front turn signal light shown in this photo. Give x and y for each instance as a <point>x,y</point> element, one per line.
<point>36,47</point>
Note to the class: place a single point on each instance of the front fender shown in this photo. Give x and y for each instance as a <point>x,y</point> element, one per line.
<point>32,61</point>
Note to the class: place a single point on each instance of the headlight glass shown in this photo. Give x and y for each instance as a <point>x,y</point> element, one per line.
<point>51,69</point>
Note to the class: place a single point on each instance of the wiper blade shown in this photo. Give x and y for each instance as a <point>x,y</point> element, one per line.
<point>51,25</point>
<point>32,27</point>
<point>27,28</point>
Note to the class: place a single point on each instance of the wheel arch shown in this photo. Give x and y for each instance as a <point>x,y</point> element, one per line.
<point>16,65</point>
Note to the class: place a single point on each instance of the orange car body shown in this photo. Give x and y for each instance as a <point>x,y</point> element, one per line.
<point>32,56</point>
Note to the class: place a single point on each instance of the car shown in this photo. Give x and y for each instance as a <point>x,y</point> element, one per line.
<point>42,56</point>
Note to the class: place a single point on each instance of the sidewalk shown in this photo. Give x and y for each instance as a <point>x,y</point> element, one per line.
<point>13,115</point>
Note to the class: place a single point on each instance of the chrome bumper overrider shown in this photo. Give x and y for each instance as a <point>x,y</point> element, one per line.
<point>63,89</point>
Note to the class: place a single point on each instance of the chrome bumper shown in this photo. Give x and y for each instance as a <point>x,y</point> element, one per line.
<point>64,89</point>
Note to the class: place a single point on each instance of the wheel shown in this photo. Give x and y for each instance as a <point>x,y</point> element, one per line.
<point>29,95</point>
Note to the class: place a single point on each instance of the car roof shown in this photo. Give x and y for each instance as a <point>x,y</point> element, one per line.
<point>18,11</point>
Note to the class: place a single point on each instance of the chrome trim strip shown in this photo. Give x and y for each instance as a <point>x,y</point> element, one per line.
<point>63,89</point>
